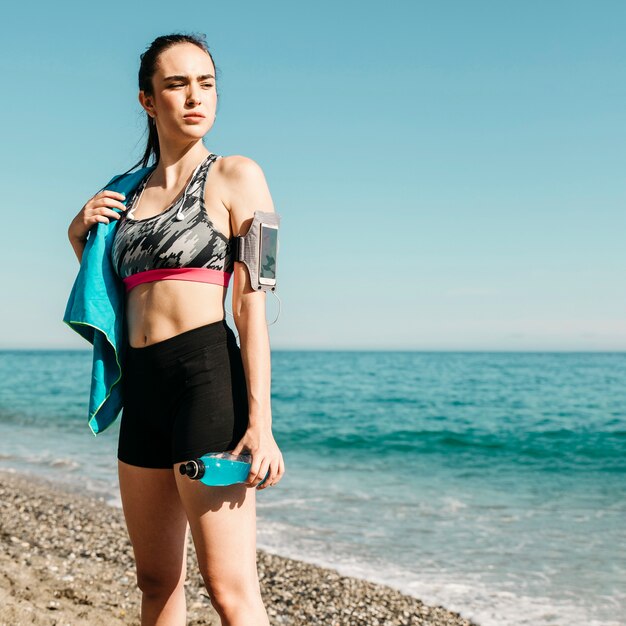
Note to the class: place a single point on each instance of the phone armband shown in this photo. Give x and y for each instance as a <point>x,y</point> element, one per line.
<point>258,250</point>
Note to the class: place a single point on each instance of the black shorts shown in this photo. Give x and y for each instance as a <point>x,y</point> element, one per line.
<point>183,396</point>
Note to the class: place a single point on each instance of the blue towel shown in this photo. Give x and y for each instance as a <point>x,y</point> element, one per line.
<point>95,310</point>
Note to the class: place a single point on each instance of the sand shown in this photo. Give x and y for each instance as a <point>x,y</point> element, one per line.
<point>66,560</point>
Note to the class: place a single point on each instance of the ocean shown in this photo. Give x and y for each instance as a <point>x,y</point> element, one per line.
<point>493,484</point>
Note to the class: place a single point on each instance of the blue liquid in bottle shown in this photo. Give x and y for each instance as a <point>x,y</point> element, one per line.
<point>218,469</point>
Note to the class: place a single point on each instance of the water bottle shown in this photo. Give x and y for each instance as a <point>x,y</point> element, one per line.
<point>219,468</point>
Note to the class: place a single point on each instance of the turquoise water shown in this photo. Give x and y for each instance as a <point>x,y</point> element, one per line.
<point>491,483</point>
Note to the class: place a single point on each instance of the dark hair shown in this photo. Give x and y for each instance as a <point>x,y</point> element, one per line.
<point>147,69</point>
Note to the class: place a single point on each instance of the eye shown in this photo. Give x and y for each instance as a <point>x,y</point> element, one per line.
<point>207,85</point>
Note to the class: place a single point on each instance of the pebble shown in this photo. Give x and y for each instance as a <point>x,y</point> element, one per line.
<point>70,555</point>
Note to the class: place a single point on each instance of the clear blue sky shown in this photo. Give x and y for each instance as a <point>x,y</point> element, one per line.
<point>450,174</point>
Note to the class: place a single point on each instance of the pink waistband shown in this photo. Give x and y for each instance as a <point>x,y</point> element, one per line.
<point>197,274</point>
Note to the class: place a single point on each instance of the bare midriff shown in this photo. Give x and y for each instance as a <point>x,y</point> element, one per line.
<point>161,309</point>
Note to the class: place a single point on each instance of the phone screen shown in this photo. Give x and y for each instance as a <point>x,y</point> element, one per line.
<point>269,241</point>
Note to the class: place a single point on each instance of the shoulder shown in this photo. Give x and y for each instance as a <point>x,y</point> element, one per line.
<point>240,170</point>
<point>244,183</point>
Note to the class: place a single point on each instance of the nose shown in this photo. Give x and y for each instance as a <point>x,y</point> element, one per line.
<point>193,95</point>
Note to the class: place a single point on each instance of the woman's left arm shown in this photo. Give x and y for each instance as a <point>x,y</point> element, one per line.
<point>248,192</point>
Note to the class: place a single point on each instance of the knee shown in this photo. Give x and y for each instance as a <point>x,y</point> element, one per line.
<point>230,597</point>
<point>159,584</point>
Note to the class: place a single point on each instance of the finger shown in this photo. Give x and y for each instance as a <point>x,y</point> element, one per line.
<point>108,202</point>
<point>266,470</point>
<point>275,477</point>
<point>266,484</point>
<point>109,193</point>
<point>237,450</point>
<point>107,212</point>
<point>270,474</point>
<point>281,467</point>
<point>280,472</point>
<point>254,477</point>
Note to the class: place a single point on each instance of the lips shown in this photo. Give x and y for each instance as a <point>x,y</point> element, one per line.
<point>198,115</point>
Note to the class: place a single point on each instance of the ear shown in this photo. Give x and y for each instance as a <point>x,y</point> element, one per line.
<point>147,103</point>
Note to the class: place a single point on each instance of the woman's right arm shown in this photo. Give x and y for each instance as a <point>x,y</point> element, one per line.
<point>79,247</point>
<point>96,210</point>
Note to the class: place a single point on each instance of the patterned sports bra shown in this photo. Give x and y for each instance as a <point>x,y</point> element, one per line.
<point>179,243</point>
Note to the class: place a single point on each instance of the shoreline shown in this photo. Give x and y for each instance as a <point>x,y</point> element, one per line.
<point>66,558</point>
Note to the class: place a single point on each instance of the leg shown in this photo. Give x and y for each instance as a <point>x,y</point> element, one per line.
<point>157,526</point>
<point>223,526</point>
<point>212,414</point>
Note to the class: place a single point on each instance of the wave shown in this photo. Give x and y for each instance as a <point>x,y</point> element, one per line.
<point>607,449</point>
<point>44,459</point>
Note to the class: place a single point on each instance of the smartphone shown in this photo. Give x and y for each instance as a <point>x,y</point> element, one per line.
<point>268,251</point>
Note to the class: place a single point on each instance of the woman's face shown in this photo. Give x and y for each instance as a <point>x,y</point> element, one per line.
<point>183,83</point>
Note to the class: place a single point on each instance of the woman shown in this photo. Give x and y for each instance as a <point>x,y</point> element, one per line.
<point>187,386</point>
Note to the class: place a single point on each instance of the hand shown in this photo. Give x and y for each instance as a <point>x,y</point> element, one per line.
<point>96,210</point>
<point>259,441</point>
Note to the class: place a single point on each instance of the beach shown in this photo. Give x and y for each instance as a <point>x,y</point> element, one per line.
<point>66,559</point>
<point>433,477</point>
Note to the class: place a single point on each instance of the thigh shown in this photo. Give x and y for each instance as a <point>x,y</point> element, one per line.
<point>157,524</point>
<point>212,410</point>
<point>223,526</point>
<point>145,435</point>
